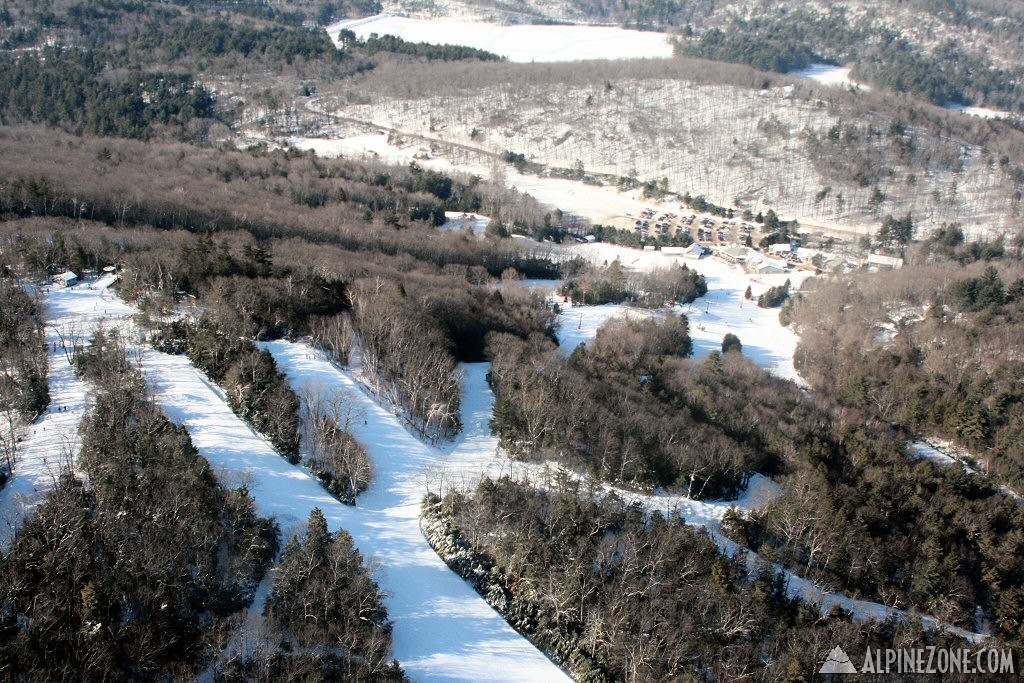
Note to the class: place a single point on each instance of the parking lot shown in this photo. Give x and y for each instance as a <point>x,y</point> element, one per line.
<point>705,229</point>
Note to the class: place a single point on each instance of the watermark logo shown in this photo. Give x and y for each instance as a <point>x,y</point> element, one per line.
<point>838,662</point>
<point>922,660</point>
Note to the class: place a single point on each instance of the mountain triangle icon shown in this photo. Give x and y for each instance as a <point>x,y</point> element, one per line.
<point>838,662</point>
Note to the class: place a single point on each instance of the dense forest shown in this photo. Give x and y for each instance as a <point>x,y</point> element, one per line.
<point>940,357</point>
<point>964,51</point>
<point>651,289</point>
<point>632,409</point>
<point>23,368</point>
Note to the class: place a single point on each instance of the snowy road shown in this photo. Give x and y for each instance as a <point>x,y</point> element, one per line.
<point>51,443</point>
<point>443,630</point>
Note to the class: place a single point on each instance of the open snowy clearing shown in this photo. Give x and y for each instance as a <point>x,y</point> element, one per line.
<point>518,43</point>
<point>456,220</point>
<point>369,146</point>
<point>829,74</point>
<point>50,446</point>
<point>983,112</point>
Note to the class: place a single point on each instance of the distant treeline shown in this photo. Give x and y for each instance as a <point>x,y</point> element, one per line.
<point>768,49</point>
<point>219,37</point>
<point>358,206</point>
<point>388,43</point>
<point>947,73</point>
<point>71,89</point>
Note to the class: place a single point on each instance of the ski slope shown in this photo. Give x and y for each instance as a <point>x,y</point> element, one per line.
<point>50,446</point>
<point>721,311</point>
<point>443,630</point>
<point>518,43</point>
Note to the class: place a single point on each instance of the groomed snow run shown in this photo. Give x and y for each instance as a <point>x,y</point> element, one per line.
<point>51,443</point>
<point>518,43</point>
<point>443,630</point>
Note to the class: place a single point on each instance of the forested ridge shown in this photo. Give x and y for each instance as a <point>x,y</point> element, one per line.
<point>236,282</point>
<point>939,358</point>
<point>962,51</point>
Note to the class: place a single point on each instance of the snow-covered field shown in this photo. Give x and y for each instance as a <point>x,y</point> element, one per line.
<point>369,146</point>
<point>50,446</point>
<point>518,43</point>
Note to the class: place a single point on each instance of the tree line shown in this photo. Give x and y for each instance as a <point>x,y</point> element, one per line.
<point>70,89</point>
<point>373,207</point>
<point>24,392</point>
<point>627,408</point>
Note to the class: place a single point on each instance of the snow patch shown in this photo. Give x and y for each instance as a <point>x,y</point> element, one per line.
<point>456,220</point>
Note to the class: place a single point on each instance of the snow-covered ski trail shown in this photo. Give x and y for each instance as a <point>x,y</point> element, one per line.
<point>475,453</point>
<point>443,630</point>
<point>51,442</point>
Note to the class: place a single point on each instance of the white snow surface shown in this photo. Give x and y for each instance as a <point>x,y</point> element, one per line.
<point>456,220</point>
<point>50,446</point>
<point>375,146</point>
<point>982,112</point>
<point>518,43</point>
<point>443,630</point>
<point>829,74</point>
